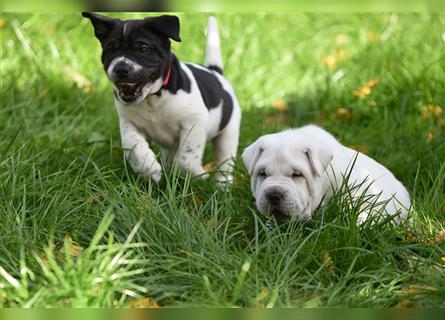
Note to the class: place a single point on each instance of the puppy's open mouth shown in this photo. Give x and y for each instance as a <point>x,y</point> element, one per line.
<point>130,91</point>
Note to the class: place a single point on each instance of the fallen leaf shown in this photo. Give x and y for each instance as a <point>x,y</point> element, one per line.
<point>80,80</point>
<point>209,166</point>
<point>431,111</point>
<point>373,36</point>
<point>50,31</point>
<point>341,39</point>
<point>95,198</point>
<point>321,116</point>
<point>440,236</point>
<point>342,113</point>
<point>277,118</point>
<point>437,111</point>
<point>404,304</point>
<point>331,59</point>
<point>327,259</point>
<point>143,303</point>
<point>411,237</point>
<point>280,105</point>
<point>74,249</point>
<point>263,294</point>
<point>366,89</point>
<point>429,137</point>
<point>239,179</point>
<point>416,289</point>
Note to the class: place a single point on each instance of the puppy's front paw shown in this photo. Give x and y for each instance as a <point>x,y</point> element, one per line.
<point>153,173</point>
<point>224,179</point>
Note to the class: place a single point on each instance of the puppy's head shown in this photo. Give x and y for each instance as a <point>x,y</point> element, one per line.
<point>135,53</point>
<point>285,174</point>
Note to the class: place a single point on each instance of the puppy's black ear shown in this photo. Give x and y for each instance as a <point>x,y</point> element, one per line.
<point>166,25</point>
<point>102,24</point>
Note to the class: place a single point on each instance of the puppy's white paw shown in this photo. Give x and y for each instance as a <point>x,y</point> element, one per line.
<point>204,176</point>
<point>154,172</point>
<point>224,178</point>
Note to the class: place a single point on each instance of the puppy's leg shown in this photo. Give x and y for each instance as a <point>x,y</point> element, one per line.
<point>191,148</point>
<point>137,152</point>
<point>225,146</point>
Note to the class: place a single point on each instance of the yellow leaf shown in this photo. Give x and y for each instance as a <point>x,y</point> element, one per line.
<point>416,289</point>
<point>366,89</point>
<point>404,304</point>
<point>95,198</point>
<point>80,80</point>
<point>143,303</point>
<point>2,22</point>
<point>373,36</point>
<point>440,236</point>
<point>330,61</point>
<point>431,111</point>
<point>342,113</point>
<point>341,39</point>
<point>327,259</point>
<point>50,31</point>
<point>210,222</point>
<point>264,293</point>
<point>71,246</point>
<point>277,118</point>
<point>197,198</point>
<point>333,57</point>
<point>429,137</point>
<point>437,111</point>
<point>209,166</point>
<point>279,105</point>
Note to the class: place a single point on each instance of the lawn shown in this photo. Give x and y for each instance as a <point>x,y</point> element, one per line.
<point>78,228</point>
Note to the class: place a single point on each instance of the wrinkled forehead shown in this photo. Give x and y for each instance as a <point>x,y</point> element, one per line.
<point>282,159</point>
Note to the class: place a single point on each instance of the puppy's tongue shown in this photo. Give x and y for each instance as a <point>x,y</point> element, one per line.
<point>128,88</point>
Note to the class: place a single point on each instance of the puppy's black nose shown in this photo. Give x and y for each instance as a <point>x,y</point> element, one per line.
<point>122,70</point>
<point>274,197</point>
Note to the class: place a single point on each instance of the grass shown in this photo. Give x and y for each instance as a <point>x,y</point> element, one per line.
<point>78,228</point>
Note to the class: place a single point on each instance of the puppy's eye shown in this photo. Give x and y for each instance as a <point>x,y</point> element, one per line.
<point>145,48</point>
<point>296,175</point>
<point>262,174</point>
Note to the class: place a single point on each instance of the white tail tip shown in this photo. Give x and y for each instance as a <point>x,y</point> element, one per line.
<point>213,49</point>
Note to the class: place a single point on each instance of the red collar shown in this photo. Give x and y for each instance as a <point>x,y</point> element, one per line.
<point>167,78</point>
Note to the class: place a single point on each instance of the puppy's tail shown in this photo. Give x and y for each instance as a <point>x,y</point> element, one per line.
<point>213,59</point>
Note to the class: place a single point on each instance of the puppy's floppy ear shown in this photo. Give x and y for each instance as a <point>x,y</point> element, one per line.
<point>251,155</point>
<point>166,25</point>
<point>319,159</point>
<point>102,24</point>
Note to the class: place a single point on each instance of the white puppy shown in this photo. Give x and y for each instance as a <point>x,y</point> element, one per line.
<point>294,171</point>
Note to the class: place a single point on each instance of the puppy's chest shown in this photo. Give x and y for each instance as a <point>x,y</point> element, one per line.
<point>160,123</point>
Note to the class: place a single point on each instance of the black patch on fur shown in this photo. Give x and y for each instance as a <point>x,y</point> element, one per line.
<point>216,69</point>
<point>212,92</point>
<point>178,78</point>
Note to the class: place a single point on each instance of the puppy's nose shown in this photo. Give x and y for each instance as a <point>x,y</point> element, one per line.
<point>274,197</point>
<point>122,70</point>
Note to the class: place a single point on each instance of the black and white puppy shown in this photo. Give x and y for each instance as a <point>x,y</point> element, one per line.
<point>178,105</point>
